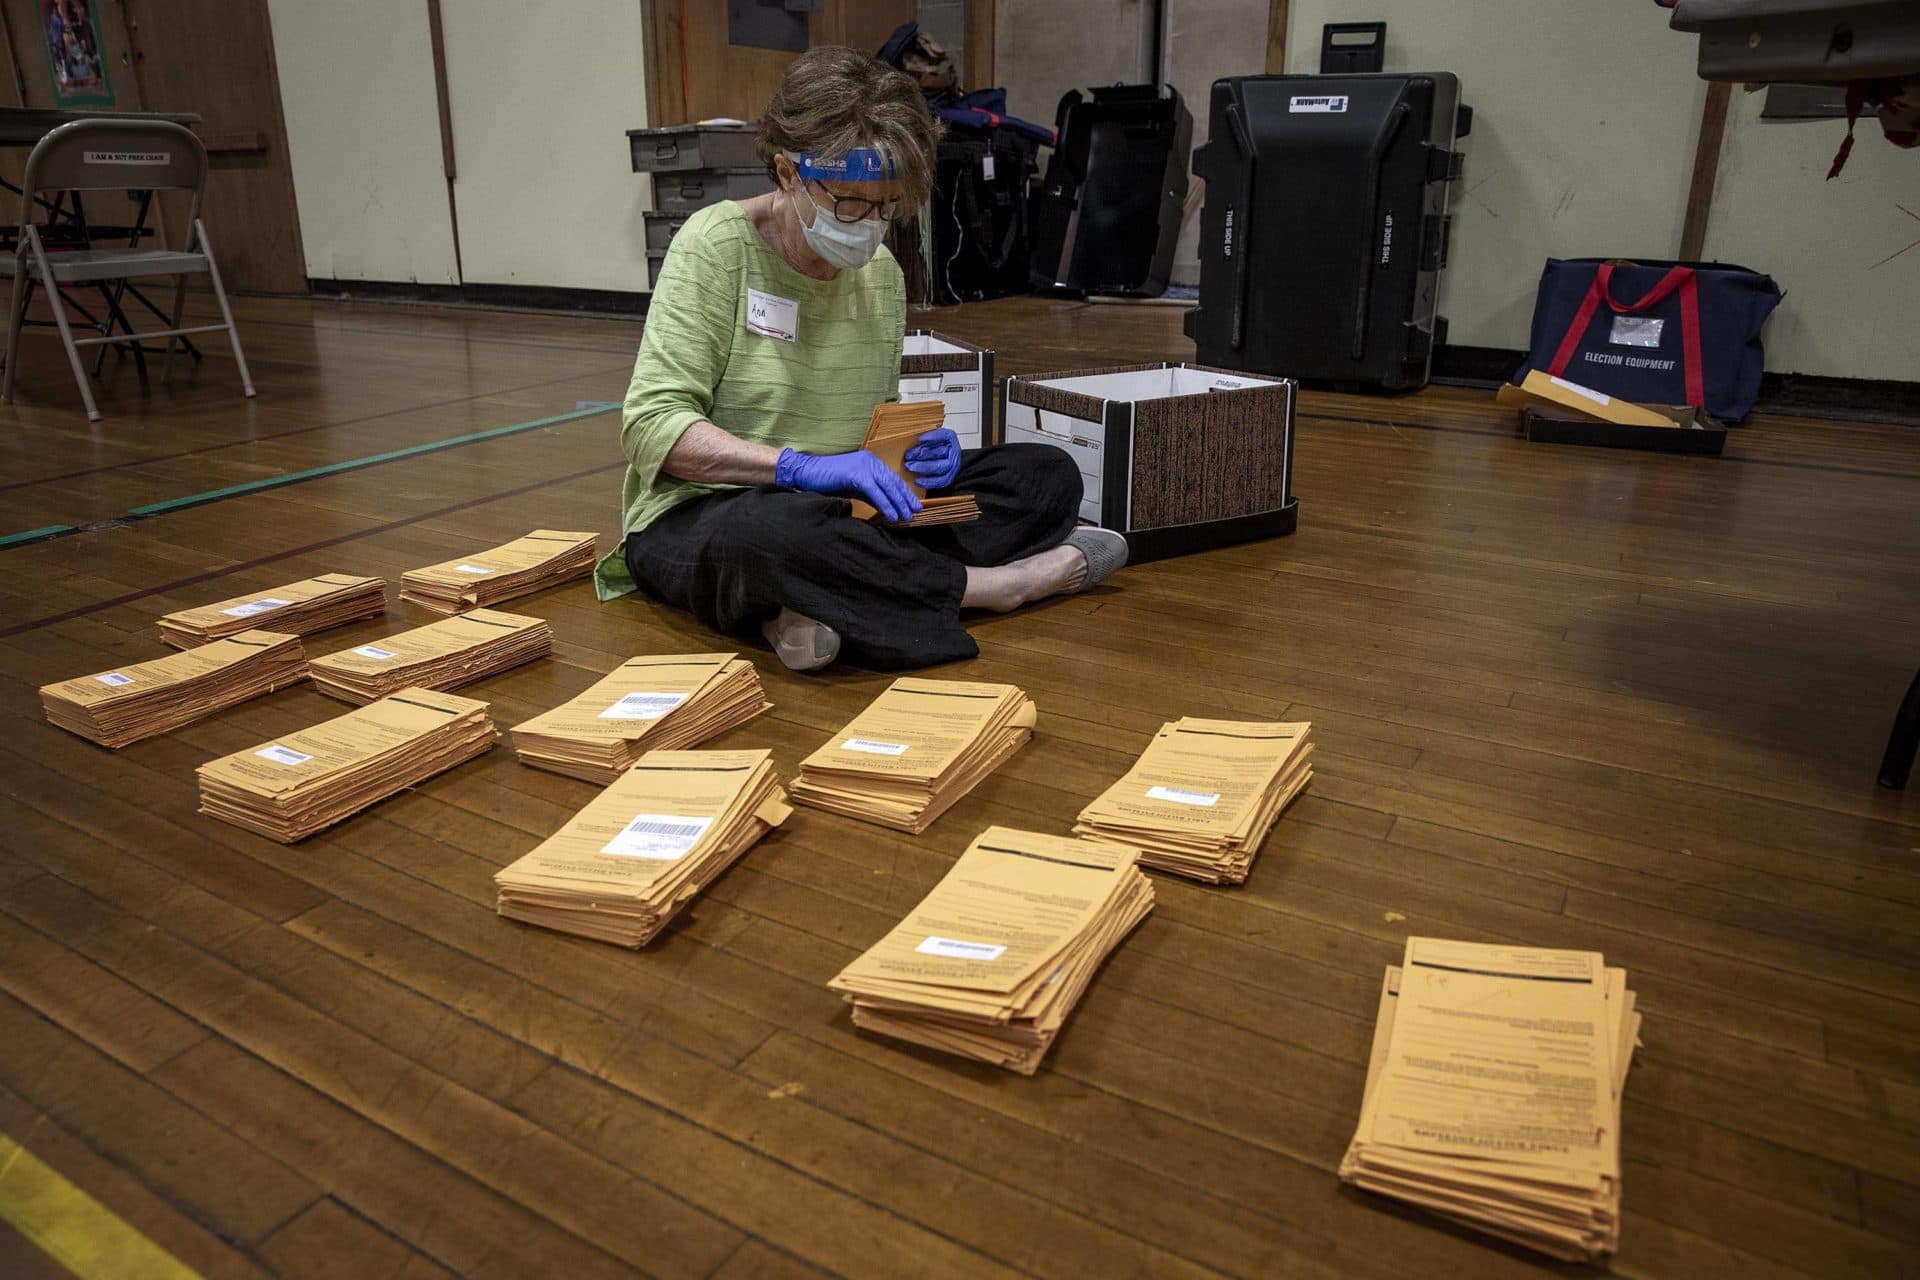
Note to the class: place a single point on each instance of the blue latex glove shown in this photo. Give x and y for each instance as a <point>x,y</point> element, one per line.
<point>935,458</point>
<point>855,475</point>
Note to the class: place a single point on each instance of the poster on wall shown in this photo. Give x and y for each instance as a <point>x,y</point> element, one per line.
<point>75,54</point>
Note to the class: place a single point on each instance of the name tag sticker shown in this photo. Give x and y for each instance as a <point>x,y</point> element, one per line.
<point>773,316</point>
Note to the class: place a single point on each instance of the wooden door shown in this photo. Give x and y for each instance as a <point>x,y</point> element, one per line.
<point>693,73</point>
<point>216,57</point>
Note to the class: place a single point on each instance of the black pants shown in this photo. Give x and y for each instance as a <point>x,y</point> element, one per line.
<point>735,559</point>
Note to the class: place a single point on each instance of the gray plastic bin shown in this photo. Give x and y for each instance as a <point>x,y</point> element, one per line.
<point>693,146</point>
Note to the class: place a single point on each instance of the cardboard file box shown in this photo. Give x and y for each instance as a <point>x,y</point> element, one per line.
<point>1177,457</point>
<point>958,374</point>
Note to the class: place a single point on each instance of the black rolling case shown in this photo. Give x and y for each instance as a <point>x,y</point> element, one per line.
<point>1325,225</point>
<point>1107,213</point>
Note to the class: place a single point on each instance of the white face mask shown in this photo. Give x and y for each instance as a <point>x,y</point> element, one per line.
<point>847,245</point>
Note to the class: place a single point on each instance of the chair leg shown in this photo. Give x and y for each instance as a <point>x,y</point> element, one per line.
<point>1904,742</point>
<point>60,318</point>
<point>226,312</point>
<point>17,321</point>
<point>173,340</point>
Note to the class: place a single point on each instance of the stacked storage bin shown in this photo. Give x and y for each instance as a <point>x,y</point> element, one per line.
<point>693,166</point>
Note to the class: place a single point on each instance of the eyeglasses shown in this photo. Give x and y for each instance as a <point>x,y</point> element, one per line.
<point>856,208</point>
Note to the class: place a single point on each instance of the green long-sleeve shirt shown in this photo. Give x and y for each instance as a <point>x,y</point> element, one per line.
<point>703,357</point>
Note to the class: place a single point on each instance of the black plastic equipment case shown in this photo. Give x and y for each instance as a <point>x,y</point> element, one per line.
<point>1325,226</point>
<point>1107,213</point>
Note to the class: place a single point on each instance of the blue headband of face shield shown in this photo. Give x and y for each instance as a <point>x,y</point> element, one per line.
<point>862,164</point>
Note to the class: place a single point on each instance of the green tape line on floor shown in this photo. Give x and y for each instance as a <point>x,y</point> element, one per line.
<point>355,464</point>
<point>34,535</point>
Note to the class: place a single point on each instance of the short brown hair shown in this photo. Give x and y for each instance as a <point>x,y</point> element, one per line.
<point>834,99</point>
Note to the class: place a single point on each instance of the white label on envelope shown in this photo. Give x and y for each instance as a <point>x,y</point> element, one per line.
<point>1598,397</point>
<point>657,835</point>
<point>375,651</point>
<point>282,755</point>
<point>643,706</point>
<point>114,679</point>
<point>772,315</point>
<point>954,949</point>
<point>472,568</point>
<point>1200,799</point>
<point>252,607</point>
<point>873,748</point>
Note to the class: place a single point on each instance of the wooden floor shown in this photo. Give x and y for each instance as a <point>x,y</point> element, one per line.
<point>1562,697</point>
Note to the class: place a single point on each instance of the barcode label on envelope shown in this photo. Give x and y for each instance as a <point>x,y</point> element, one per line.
<point>252,607</point>
<point>955,949</point>
<point>657,835</point>
<point>1200,799</point>
<point>643,706</point>
<point>282,755</point>
<point>873,748</point>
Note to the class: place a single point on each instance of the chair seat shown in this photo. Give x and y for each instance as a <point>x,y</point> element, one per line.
<point>112,264</point>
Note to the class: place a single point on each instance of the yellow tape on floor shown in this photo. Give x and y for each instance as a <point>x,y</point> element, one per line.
<point>73,1228</point>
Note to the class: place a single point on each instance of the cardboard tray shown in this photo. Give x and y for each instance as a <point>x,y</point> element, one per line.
<point>1692,431</point>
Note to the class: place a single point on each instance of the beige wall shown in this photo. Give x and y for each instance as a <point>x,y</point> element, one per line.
<point>1042,48</point>
<point>1849,312</point>
<point>1585,115</point>
<point>542,96</point>
<point>363,130</point>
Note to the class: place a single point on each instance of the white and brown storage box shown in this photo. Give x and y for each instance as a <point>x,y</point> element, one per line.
<point>934,366</point>
<point>1178,457</point>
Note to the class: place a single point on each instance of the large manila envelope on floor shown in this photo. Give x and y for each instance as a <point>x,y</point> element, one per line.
<point>299,783</point>
<point>626,864</point>
<point>1201,798</point>
<point>915,751</point>
<point>297,609</point>
<point>992,961</point>
<point>658,702</point>
<point>896,428</point>
<point>544,558</point>
<point>126,704</point>
<point>1493,1092</point>
<point>440,655</point>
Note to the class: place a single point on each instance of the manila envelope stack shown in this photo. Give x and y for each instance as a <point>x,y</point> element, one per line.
<point>296,785</point>
<point>114,708</point>
<point>1493,1092</point>
<point>1201,798</point>
<point>625,865</point>
<point>297,609</point>
<point>440,655</point>
<point>915,751</point>
<point>896,428</point>
<point>662,702</point>
<point>992,961</point>
<point>544,558</point>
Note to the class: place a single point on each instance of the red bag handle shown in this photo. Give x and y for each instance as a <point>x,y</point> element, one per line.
<point>1680,278</point>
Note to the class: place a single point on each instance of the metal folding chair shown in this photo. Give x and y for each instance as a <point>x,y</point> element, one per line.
<point>113,155</point>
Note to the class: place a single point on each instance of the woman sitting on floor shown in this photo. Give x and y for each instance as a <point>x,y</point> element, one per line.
<point>775,328</point>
